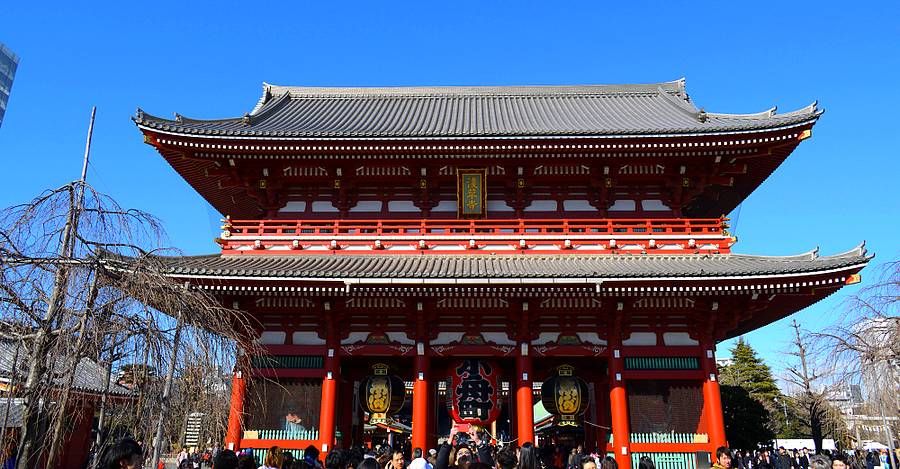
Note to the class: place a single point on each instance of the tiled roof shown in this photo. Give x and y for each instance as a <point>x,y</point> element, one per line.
<point>452,267</point>
<point>89,374</point>
<point>15,418</point>
<point>460,112</point>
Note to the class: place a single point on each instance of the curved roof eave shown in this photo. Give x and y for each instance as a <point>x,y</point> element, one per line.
<point>587,269</point>
<point>802,123</point>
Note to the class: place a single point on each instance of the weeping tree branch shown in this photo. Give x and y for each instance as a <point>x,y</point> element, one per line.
<point>81,278</point>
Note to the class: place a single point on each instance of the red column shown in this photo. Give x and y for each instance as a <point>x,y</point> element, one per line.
<point>236,412</point>
<point>712,398</point>
<point>329,398</point>
<point>524,398</point>
<point>618,402</point>
<point>420,420</point>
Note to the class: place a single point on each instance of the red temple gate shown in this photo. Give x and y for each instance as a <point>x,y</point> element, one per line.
<point>531,227</point>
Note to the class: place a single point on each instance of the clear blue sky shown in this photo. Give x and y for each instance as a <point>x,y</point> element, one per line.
<point>209,60</point>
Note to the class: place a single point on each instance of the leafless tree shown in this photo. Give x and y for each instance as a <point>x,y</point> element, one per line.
<point>81,279</point>
<point>863,343</point>
<point>814,386</point>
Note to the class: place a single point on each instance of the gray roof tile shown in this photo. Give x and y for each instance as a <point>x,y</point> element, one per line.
<point>509,266</point>
<point>89,374</point>
<point>448,112</point>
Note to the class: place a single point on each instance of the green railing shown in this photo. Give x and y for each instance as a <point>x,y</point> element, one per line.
<point>669,437</point>
<point>288,361</point>
<point>667,460</point>
<point>662,363</point>
<point>280,435</point>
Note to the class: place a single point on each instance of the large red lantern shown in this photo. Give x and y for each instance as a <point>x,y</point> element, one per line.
<point>474,390</point>
<point>565,396</point>
<point>381,395</point>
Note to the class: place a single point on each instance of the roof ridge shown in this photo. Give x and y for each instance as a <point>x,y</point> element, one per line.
<point>684,104</point>
<point>269,90</point>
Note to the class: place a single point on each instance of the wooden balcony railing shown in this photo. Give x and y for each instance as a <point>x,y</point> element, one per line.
<point>672,236</point>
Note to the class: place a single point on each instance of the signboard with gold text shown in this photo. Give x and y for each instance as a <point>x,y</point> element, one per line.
<point>471,192</point>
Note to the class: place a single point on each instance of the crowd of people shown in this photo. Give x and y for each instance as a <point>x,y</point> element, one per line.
<point>805,459</point>
<point>472,450</point>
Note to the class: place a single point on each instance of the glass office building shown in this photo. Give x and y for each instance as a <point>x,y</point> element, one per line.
<point>8,63</point>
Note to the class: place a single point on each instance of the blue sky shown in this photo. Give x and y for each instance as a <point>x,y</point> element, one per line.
<point>208,60</point>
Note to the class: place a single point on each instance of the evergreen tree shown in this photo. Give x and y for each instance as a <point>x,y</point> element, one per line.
<point>749,394</point>
<point>749,372</point>
<point>746,419</point>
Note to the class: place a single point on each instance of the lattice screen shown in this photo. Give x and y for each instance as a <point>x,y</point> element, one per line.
<point>268,403</point>
<point>664,406</point>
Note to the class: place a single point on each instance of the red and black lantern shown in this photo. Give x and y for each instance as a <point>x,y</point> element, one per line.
<point>565,396</point>
<point>381,395</point>
<point>474,389</point>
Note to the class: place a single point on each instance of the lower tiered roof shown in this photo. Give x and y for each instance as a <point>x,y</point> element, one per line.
<point>374,268</point>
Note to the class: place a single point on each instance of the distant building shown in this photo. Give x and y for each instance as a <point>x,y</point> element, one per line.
<point>848,398</point>
<point>89,385</point>
<point>8,63</point>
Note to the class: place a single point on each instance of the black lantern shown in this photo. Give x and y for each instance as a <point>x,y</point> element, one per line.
<point>565,396</point>
<point>381,395</point>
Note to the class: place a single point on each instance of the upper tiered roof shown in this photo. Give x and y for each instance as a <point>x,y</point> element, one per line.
<point>643,110</point>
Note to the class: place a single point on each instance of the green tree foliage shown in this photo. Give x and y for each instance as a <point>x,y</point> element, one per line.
<point>749,395</point>
<point>746,419</point>
<point>749,372</point>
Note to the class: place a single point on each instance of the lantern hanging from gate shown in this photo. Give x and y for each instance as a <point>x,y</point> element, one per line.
<point>565,396</point>
<point>381,395</point>
<point>474,391</point>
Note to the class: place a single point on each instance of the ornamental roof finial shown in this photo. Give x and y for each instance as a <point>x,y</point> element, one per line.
<point>246,119</point>
<point>702,116</point>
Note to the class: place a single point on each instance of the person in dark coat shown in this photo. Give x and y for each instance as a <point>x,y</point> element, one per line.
<point>783,461</point>
<point>803,458</point>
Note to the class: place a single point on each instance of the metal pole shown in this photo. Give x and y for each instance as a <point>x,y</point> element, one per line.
<point>167,389</point>
<point>87,145</point>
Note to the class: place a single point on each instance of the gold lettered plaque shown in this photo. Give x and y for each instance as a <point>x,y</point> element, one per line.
<point>471,192</point>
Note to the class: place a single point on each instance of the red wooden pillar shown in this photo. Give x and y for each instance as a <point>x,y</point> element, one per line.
<point>329,398</point>
<point>712,398</point>
<point>236,412</point>
<point>421,394</point>
<point>618,402</point>
<point>524,397</point>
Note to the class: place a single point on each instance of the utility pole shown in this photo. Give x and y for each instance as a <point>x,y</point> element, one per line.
<point>37,367</point>
<point>167,390</point>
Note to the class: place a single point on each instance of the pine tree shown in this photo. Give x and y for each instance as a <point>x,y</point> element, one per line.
<point>746,419</point>
<point>749,394</point>
<point>749,372</point>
